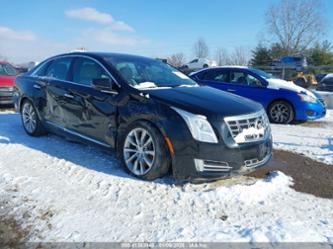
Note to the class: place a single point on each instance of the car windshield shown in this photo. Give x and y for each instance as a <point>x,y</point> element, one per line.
<point>263,74</point>
<point>7,69</point>
<point>141,72</point>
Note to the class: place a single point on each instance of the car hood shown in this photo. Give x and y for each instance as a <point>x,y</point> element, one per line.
<point>287,85</point>
<point>7,80</point>
<point>205,100</point>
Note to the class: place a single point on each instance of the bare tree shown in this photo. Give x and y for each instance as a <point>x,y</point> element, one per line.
<point>295,24</point>
<point>176,60</point>
<point>238,57</point>
<point>200,48</point>
<point>222,57</point>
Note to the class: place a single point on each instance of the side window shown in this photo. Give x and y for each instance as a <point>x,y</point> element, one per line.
<point>238,78</point>
<point>242,78</point>
<point>86,70</point>
<point>58,69</point>
<point>41,71</point>
<point>194,61</point>
<point>253,81</point>
<point>215,75</point>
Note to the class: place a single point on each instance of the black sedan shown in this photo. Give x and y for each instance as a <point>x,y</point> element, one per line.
<point>156,118</point>
<point>326,84</point>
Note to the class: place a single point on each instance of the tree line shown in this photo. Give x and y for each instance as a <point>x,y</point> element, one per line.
<point>292,28</point>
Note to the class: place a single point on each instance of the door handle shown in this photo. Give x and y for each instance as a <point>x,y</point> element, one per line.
<point>231,90</point>
<point>37,86</point>
<point>69,96</point>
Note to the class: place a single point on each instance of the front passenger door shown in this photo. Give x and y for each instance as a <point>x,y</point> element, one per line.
<point>217,78</point>
<point>92,112</point>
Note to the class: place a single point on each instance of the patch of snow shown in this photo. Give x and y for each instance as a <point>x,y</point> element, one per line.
<point>91,198</point>
<point>289,85</point>
<point>314,141</point>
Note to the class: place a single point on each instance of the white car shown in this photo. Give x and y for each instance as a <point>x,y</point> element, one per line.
<point>200,63</point>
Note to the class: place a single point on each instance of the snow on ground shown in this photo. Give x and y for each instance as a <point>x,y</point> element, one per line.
<point>313,139</point>
<point>73,192</point>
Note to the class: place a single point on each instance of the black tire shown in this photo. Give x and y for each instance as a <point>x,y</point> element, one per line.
<point>161,162</point>
<point>281,112</point>
<point>205,66</point>
<point>38,129</point>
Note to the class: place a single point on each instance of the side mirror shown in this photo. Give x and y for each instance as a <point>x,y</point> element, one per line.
<point>105,85</point>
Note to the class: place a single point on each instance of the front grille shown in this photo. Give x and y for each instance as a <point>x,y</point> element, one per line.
<point>248,128</point>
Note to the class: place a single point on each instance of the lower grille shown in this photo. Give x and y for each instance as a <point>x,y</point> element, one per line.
<point>254,162</point>
<point>212,166</point>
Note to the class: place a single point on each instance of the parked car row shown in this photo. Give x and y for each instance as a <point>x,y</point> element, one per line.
<point>156,118</point>
<point>212,124</point>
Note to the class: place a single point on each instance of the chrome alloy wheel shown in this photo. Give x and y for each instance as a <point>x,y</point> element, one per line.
<point>139,151</point>
<point>280,113</point>
<point>29,117</point>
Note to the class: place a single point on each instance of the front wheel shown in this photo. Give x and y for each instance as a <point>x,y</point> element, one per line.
<point>30,120</point>
<point>144,152</point>
<point>281,112</point>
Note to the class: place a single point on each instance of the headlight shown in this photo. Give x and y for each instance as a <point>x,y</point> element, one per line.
<point>307,98</point>
<point>200,128</point>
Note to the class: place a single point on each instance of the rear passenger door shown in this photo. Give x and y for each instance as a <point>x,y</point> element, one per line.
<point>57,74</point>
<point>92,113</point>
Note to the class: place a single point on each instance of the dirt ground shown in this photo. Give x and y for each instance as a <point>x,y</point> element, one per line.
<point>309,176</point>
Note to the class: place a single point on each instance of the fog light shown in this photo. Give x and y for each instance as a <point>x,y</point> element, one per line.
<point>310,113</point>
<point>199,164</point>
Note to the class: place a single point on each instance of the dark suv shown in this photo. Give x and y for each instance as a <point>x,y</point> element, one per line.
<point>155,117</point>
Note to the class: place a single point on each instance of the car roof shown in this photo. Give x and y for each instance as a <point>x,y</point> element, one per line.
<point>221,67</point>
<point>101,54</point>
<point>328,76</point>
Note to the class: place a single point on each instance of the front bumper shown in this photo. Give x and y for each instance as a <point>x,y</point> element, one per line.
<point>310,111</point>
<point>233,161</point>
<point>6,96</point>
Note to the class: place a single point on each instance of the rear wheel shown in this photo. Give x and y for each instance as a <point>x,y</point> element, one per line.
<point>144,152</point>
<point>281,112</point>
<point>30,120</point>
<point>205,66</point>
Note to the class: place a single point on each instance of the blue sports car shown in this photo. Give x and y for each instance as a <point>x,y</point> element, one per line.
<point>283,100</point>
